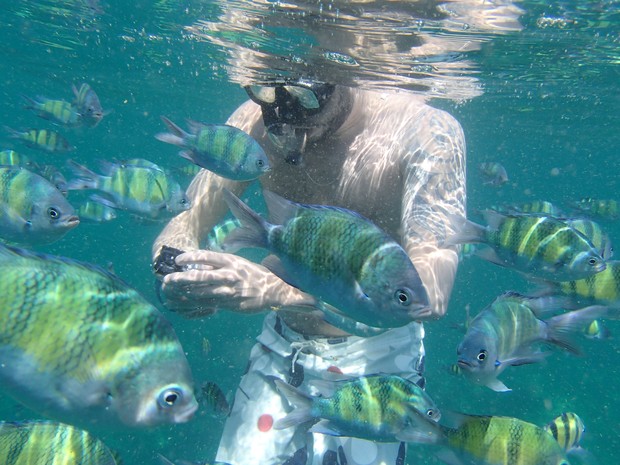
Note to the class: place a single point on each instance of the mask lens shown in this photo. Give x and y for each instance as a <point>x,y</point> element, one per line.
<point>262,94</point>
<point>306,97</point>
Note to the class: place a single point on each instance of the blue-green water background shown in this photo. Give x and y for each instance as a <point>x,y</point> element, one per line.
<point>549,113</point>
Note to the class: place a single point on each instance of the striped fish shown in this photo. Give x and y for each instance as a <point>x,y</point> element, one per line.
<point>41,139</point>
<point>374,407</point>
<point>32,210</point>
<point>12,158</point>
<point>567,429</point>
<point>539,246</point>
<point>541,207</point>
<point>47,443</point>
<point>490,440</point>
<point>594,233</point>
<point>506,334</point>
<point>88,105</point>
<point>225,150</point>
<point>336,256</point>
<point>58,111</point>
<point>79,345</point>
<point>493,173</point>
<point>218,234</point>
<point>596,330</point>
<point>602,288</point>
<point>95,212</point>
<point>142,190</point>
<point>606,209</point>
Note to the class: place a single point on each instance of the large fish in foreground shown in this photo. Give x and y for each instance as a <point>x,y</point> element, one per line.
<point>507,332</point>
<point>79,345</point>
<point>226,150</point>
<point>375,407</point>
<point>335,255</point>
<point>539,246</point>
<point>50,443</point>
<point>489,440</point>
<point>32,210</point>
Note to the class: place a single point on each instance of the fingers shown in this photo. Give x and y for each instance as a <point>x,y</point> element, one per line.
<point>206,258</point>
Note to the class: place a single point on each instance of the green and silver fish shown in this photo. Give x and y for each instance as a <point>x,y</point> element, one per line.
<point>602,288</point>
<point>218,234</point>
<point>507,332</point>
<point>13,158</point>
<point>95,212</point>
<point>539,246</point>
<point>142,190</point>
<point>606,209</point>
<point>32,210</point>
<point>493,173</point>
<point>88,105</point>
<point>50,443</point>
<point>489,440</point>
<point>567,429</point>
<point>375,407</point>
<point>58,111</point>
<point>596,330</point>
<point>541,207</point>
<point>79,345</point>
<point>225,150</point>
<point>41,139</point>
<point>335,255</point>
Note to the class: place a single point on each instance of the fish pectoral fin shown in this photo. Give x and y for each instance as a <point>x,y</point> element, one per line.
<point>525,359</point>
<point>359,292</point>
<point>488,254</point>
<point>275,265</point>
<point>336,318</point>
<point>325,427</point>
<point>497,386</point>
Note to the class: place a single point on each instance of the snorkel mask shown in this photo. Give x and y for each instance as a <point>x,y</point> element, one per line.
<point>293,113</point>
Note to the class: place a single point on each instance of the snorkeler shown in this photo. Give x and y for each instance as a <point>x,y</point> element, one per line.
<point>387,156</point>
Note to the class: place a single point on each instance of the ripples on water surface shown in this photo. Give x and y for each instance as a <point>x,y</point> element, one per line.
<point>534,85</point>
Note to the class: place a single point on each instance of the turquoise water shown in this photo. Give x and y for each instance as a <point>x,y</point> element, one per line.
<point>537,91</point>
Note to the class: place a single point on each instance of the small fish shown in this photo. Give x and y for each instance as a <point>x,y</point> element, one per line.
<point>95,212</point>
<point>488,440</point>
<point>596,330</point>
<point>602,288</point>
<point>88,105</point>
<point>58,111</point>
<point>337,256</point>
<point>80,346</point>
<point>144,191</point>
<point>494,174</point>
<point>567,429</point>
<point>225,150</point>
<point>606,209</point>
<point>218,234</point>
<point>214,397</point>
<point>12,158</point>
<point>32,210</point>
<point>47,442</point>
<point>539,246</point>
<point>375,407</point>
<point>541,207</point>
<point>506,334</point>
<point>41,139</point>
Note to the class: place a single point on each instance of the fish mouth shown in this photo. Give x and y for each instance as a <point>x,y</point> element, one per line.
<point>463,364</point>
<point>187,413</point>
<point>73,221</point>
<point>600,267</point>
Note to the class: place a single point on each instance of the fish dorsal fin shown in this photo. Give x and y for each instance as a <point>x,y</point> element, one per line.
<point>280,209</point>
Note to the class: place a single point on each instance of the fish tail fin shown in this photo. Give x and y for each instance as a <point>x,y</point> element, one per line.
<point>562,328</point>
<point>13,133</point>
<point>468,231</point>
<point>301,402</point>
<point>176,136</point>
<point>253,231</point>
<point>87,179</point>
<point>31,104</point>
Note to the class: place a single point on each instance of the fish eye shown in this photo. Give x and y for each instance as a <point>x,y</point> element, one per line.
<point>260,163</point>
<point>169,397</point>
<point>402,296</point>
<point>482,355</point>
<point>431,413</point>
<point>52,213</point>
<point>592,261</point>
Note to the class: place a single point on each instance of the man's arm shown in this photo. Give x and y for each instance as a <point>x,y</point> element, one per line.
<point>434,194</point>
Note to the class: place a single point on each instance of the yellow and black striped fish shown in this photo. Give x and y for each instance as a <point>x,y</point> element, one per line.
<point>607,209</point>
<point>374,407</point>
<point>567,429</point>
<point>539,246</point>
<point>491,440</point>
<point>601,288</point>
<point>42,139</point>
<point>58,111</point>
<point>47,442</point>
